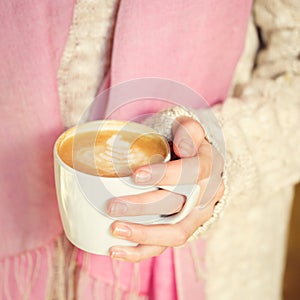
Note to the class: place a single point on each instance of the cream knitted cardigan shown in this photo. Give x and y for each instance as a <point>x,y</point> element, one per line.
<point>260,123</point>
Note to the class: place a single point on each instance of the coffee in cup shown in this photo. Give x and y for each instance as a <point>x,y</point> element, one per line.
<point>112,153</point>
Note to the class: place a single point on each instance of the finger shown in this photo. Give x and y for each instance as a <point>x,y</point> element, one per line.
<point>135,254</point>
<point>167,235</point>
<point>182,171</point>
<point>161,234</point>
<point>188,136</point>
<point>159,202</point>
<point>211,191</point>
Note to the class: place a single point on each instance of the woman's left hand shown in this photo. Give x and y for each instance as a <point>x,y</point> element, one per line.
<point>195,166</point>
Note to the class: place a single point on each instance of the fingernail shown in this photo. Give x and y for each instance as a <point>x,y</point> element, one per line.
<point>117,209</point>
<point>142,176</point>
<point>118,254</point>
<point>186,147</point>
<point>122,231</point>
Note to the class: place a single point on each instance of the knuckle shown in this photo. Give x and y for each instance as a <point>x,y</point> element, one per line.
<point>185,120</point>
<point>210,212</point>
<point>220,191</point>
<point>181,236</point>
<point>136,258</point>
<point>207,214</point>
<point>189,124</point>
<point>143,237</point>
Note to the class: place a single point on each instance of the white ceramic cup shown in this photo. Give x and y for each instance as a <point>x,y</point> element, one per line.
<point>82,197</point>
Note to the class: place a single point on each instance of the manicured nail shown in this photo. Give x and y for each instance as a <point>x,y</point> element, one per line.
<point>186,147</point>
<point>122,231</point>
<point>142,176</point>
<point>117,254</point>
<point>117,208</point>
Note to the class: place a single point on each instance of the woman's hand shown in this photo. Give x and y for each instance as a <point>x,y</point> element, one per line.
<point>200,164</point>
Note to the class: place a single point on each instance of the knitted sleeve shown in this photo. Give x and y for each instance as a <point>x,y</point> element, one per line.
<point>260,124</point>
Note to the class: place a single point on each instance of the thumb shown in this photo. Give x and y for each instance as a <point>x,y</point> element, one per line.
<point>188,136</point>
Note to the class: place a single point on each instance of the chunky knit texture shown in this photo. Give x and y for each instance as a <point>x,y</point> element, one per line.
<point>262,163</point>
<point>86,57</point>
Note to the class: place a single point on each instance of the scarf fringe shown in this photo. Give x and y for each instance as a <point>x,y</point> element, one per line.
<point>21,274</point>
<point>99,290</point>
<point>63,271</point>
<point>54,266</point>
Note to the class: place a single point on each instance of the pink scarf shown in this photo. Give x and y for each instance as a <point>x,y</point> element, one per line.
<point>196,43</point>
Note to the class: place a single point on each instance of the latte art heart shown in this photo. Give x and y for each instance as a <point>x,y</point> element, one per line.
<point>112,153</point>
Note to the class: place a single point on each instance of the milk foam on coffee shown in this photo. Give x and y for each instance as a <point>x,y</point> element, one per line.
<point>112,153</point>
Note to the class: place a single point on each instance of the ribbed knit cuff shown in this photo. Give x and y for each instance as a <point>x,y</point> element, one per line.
<point>164,120</point>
